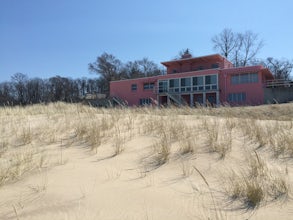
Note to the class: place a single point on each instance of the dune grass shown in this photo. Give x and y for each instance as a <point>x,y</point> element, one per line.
<point>264,135</point>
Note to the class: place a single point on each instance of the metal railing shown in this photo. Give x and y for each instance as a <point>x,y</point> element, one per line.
<point>176,98</point>
<point>185,89</point>
<point>119,101</point>
<point>278,83</point>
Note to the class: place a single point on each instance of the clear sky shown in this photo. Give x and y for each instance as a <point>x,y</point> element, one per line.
<point>44,38</point>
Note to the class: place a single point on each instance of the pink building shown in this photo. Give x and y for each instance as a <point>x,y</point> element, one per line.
<point>190,80</point>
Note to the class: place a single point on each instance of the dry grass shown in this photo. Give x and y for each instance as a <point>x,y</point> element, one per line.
<point>256,184</point>
<point>218,138</point>
<point>161,151</point>
<point>19,162</point>
<point>27,133</point>
<point>188,146</point>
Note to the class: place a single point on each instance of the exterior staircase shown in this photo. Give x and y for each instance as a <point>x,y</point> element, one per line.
<point>176,98</point>
<point>118,101</point>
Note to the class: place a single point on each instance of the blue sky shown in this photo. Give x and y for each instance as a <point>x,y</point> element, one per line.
<point>44,38</point>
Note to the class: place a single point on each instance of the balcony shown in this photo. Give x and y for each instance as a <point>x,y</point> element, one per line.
<point>186,89</point>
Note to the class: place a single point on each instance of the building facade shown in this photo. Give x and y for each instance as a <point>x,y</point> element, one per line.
<point>196,80</point>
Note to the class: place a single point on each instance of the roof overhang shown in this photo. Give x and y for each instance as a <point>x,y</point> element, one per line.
<point>213,57</point>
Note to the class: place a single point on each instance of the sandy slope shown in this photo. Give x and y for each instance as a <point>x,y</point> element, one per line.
<point>85,185</point>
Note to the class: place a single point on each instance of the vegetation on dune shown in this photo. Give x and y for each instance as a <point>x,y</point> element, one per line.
<point>263,135</point>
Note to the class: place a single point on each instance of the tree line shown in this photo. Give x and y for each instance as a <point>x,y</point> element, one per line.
<point>22,90</point>
<point>110,68</point>
<point>241,49</point>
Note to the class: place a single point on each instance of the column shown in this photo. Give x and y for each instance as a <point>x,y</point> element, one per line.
<point>218,98</point>
<point>191,100</point>
<point>204,98</point>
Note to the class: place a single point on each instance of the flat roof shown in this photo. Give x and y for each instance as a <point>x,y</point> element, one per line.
<point>195,59</point>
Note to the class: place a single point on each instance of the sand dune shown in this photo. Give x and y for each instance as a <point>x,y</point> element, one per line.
<point>62,161</point>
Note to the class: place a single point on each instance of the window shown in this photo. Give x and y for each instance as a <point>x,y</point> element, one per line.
<point>185,84</point>
<point>133,87</point>
<point>185,81</point>
<point>211,82</point>
<point>174,83</point>
<point>244,78</point>
<point>215,65</point>
<point>145,101</point>
<point>208,80</point>
<point>197,83</point>
<point>148,86</point>
<point>237,97</point>
<point>211,79</point>
<point>197,80</point>
<point>163,86</point>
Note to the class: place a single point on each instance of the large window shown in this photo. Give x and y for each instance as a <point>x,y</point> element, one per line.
<point>185,84</point>
<point>237,97</point>
<point>211,79</point>
<point>189,84</point>
<point>148,86</point>
<point>197,83</point>
<point>133,87</point>
<point>244,78</point>
<point>163,86</point>
<point>174,85</point>
<point>211,82</point>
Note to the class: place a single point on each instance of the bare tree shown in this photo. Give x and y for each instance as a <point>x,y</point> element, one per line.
<point>149,68</point>
<point>108,67</point>
<point>281,69</point>
<point>240,48</point>
<point>6,93</point>
<point>132,70</point>
<point>19,81</point>
<point>250,47</point>
<point>226,42</point>
<point>35,90</point>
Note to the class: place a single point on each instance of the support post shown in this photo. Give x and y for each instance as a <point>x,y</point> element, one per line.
<point>218,98</point>
<point>191,100</point>
<point>204,98</point>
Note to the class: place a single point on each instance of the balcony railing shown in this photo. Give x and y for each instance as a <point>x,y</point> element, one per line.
<point>278,83</point>
<point>186,89</point>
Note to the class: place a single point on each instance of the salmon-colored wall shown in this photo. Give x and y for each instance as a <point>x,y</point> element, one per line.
<point>122,88</point>
<point>254,91</point>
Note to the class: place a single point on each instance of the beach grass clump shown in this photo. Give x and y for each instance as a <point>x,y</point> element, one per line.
<point>187,146</point>
<point>118,141</point>
<point>256,184</point>
<point>282,144</point>
<point>18,162</point>
<point>161,151</point>
<point>218,138</point>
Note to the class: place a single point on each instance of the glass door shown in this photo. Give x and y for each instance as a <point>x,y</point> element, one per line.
<point>163,86</point>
